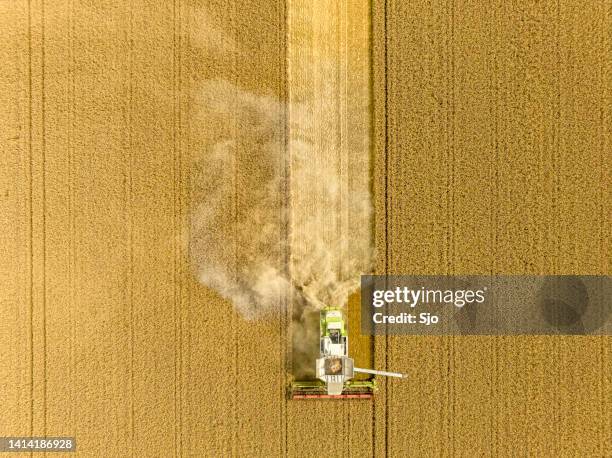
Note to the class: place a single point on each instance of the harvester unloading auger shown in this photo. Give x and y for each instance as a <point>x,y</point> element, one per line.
<point>334,369</point>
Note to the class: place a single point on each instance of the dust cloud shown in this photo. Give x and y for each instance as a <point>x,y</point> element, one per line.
<point>274,218</point>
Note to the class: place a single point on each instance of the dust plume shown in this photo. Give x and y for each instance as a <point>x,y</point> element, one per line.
<point>276,215</point>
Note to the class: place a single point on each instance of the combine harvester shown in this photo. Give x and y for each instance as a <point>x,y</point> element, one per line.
<point>334,368</point>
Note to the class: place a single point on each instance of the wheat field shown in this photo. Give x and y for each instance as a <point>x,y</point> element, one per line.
<point>490,140</point>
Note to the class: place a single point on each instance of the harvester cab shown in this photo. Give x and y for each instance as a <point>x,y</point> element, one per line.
<point>334,369</point>
<point>334,341</point>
